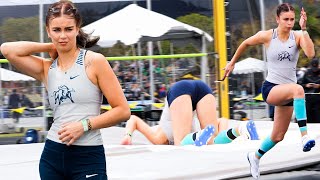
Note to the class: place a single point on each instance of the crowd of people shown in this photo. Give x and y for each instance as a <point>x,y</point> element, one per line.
<point>138,88</point>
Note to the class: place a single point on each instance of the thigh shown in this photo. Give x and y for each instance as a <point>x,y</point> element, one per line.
<point>281,94</point>
<point>51,165</point>
<point>88,164</point>
<point>206,112</point>
<point>181,115</point>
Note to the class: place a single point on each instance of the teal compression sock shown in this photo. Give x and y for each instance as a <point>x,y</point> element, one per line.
<point>226,136</point>
<point>299,106</point>
<point>266,145</point>
<point>188,139</point>
<point>198,137</point>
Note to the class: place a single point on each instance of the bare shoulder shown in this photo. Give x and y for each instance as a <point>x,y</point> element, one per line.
<point>93,58</point>
<point>265,35</point>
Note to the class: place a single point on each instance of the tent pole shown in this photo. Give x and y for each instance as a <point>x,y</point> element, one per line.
<point>41,37</point>
<point>263,27</point>
<point>252,93</point>
<point>140,72</point>
<point>1,95</point>
<point>204,59</point>
<point>150,52</point>
<point>173,64</point>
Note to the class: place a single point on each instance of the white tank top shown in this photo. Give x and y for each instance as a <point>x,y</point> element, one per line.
<point>73,97</point>
<point>282,60</point>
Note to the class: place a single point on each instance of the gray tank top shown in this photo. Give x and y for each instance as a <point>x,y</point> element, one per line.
<point>73,97</point>
<point>282,59</point>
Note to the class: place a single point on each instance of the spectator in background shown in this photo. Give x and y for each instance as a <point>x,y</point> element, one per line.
<point>25,101</point>
<point>244,88</point>
<point>136,91</point>
<point>5,99</point>
<point>162,91</point>
<point>311,84</point>
<point>14,102</point>
<point>311,79</point>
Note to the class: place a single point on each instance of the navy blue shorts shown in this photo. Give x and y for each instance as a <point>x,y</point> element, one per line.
<point>197,89</point>
<point>266,88</point>
<point>59,162</point>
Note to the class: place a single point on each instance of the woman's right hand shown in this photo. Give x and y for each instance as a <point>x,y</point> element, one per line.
<point>228,69</point>
<point>53,53</point>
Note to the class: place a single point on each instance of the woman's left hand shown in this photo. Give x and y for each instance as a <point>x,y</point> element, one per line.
<point>70,132</point>
<point>303,19</point>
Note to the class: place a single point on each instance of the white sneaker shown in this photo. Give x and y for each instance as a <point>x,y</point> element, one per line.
<point>248,129</point>
<point>254,165</point>
<point>307,143</point>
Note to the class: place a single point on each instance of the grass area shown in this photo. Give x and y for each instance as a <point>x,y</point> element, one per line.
<point>11,135</point>
<point>19,134</point>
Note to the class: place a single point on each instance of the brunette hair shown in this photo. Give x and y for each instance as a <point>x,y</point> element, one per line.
<point>65,7</point>
<point>285,7</point>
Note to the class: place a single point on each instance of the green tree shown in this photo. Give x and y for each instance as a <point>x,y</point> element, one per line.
<point>20,29</point>
<point>204,23</point>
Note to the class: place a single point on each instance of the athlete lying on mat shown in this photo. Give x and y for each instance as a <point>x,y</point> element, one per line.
<point>177,123</point>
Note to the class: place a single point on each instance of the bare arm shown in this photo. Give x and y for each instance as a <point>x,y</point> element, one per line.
<point>305,41</point>
<point>109,85</point>
<point>154,136</point>
<point>20,55</point>
<point>262,37</point>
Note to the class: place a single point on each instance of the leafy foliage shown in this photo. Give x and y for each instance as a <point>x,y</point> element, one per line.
<point>20,29</point>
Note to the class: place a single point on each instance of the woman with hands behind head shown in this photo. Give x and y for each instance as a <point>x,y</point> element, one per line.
<point>280,87</point>
<point>75,80</point>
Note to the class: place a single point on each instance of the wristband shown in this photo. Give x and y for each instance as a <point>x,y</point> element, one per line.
<point>304,32</point>
<point>89,124</point>
<point>84,124</point>
<point>129,134</point>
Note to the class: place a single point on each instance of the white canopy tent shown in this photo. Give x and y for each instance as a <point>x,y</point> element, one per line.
<point>133,24</point>
<point>7,75</point>
<point>250,66</point>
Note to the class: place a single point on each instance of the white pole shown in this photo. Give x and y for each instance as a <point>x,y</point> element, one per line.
<point>41,37</point>
<point>263,27</point>
<point>173,64</point>
<point>141,65</point>
<point>150,52</point>
<point>1,96</point>
<point>204,59</point>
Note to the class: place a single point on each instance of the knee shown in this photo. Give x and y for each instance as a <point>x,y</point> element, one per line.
<point>299,91</point>
<point>278,137</point>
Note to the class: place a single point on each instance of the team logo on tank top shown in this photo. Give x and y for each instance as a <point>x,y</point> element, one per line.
<point>62,94</point>
<point>284,55</point>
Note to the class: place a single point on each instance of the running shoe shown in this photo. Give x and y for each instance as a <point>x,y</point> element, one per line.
<point>251,127</point>
<point>248,129</point>
<point>254,165</point>
<point>307,143</point>
<point>204,136</point>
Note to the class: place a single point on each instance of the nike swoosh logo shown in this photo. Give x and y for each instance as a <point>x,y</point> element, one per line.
<point>291,46</point>
<point>91,175</point>
<point>72,77</point>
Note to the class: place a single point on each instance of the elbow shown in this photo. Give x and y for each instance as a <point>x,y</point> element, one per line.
<point>5,49</point>
<point>126,113</point>
<point>310,54</point>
